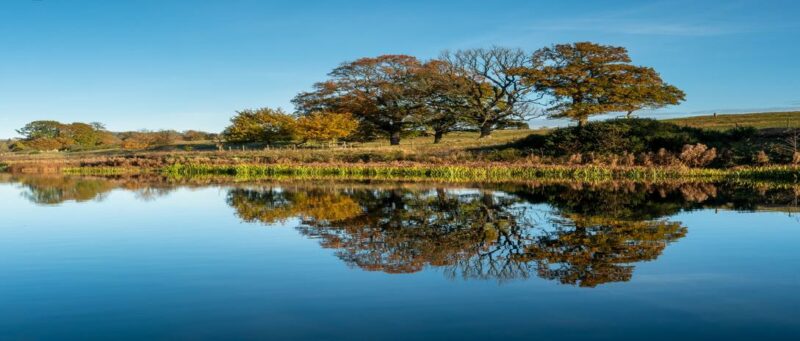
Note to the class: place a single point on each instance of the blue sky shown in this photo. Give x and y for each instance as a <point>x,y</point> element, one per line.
<point>173,64</point>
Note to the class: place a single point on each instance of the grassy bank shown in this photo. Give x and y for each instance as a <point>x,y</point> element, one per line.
<point>755,120</point>
<point>489,173</point>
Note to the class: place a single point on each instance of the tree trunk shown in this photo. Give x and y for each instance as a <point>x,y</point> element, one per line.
<point>437,136</point>
<point>394,138</point>
<point>582,122</point>
<point>486,130</point>
<point>628,115</point>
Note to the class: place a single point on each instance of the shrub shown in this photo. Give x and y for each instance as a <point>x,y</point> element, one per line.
<point>697,155</point>
<point>45,143</point>
<point>617,137</point>
<point>644,138</point>
<point>761,158</point>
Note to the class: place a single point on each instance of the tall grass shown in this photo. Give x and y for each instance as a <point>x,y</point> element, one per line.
<point>102,170</point>
<point>483,173</point>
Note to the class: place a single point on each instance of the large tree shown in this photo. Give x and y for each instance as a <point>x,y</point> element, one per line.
<point>585,79</point>
<point>446,100</point>
<point>495,93</point>
<point>382,92</point>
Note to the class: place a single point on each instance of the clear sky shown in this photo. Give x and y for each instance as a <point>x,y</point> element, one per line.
<point>189,64</point>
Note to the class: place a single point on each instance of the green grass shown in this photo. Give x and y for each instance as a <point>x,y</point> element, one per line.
<point>487,173</point>
<point>756,120</point>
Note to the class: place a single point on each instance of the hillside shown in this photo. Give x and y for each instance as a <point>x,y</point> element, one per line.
<point>757,120</point>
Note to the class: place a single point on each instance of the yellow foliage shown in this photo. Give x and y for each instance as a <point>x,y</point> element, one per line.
<point>325,126</point>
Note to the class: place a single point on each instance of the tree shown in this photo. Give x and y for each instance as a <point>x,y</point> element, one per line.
<point>446,98</point>
<point>325,126</point>
<point>80,134</point>
<point>40,129</point>
<point>260,125</point>
<point>382,92</point>
<point>52,135</point>
<point>643,88</point>
<point>495,93</point>
<point>586,79</point>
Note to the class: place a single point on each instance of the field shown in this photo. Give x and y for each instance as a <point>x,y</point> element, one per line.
<point>453,142</point>
<point>756,120</point>
<point>459,147</point>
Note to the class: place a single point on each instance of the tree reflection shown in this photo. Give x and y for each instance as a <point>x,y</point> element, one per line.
<point>477,234</point>
<point>57,189</point>
<point>272,205</point>
<point>592,250</point>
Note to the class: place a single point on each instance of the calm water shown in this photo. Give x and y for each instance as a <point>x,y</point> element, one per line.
<point>89,258</point>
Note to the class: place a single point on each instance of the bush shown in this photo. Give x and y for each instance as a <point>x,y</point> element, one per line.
<point>697,155</point>
<point>617,137</point>
<point>761,158</point>
<point>624,138</point>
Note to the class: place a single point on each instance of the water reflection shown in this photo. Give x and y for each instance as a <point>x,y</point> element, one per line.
<point>576,234</point>
<point>468,233</point>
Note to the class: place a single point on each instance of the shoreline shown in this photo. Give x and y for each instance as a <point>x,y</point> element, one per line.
<point>471,173</point>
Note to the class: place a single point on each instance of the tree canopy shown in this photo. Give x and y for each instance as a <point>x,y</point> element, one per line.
<point>494,93</point>
<point>382,92</point>
<point>585,79</point>
<point>260,125</point>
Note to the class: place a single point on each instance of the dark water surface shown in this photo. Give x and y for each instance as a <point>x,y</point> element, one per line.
<point>135,258</point>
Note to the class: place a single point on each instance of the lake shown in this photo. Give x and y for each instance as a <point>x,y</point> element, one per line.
<point>156,258</point>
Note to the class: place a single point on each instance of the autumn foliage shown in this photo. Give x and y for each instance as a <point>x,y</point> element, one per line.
<point>325,126</point>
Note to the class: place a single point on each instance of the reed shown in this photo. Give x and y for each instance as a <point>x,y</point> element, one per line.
<point>483,173</point>
<point>103,170</point>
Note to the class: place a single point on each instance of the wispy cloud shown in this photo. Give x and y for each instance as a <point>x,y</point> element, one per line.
<point>654,19</point>
<point>637,27</point>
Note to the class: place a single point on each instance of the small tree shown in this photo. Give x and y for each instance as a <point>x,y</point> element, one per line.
<point>325,126</point>
<point>260,125</point>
